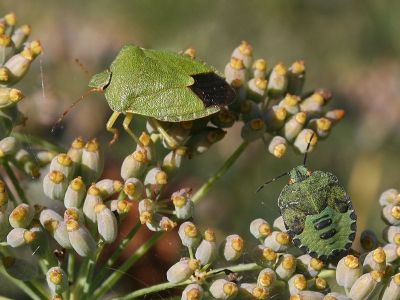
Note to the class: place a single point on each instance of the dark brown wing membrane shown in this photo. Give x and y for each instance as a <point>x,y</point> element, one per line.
<point>212,89</point>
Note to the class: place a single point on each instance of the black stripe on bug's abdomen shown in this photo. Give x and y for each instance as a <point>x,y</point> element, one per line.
<point>212,89</point>
<point>321,224</point>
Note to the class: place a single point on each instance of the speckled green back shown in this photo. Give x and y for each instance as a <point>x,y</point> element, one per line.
<point>162,85</point>
<point>318,213</point>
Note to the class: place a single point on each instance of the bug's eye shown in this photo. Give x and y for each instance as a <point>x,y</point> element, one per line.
<point>309,172</point>
<point>291,181</point>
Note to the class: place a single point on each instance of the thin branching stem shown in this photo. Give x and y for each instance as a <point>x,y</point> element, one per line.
<point>16,184</point>
<point>115,276</point>
<point>225,167</point>
<point>115,256</point>
<point>27,138</point>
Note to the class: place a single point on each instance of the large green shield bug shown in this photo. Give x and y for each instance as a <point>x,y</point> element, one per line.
<point>163,85</point>
<point>317,212</point>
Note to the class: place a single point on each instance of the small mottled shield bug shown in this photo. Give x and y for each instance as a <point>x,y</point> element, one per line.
<point>163,85</point>
<point>317,212</point>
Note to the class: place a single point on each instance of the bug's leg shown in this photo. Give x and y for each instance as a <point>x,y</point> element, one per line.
<point>165,135</point>
<point>110,128</point>
<point>126,123</point>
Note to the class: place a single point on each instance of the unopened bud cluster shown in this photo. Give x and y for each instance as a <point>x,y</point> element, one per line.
<point>273,106</point>
<point>16,55</point>
<point>91,215</point>
<point>204,250</point>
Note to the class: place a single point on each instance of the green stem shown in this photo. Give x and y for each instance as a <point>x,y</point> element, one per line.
<point>121,195</point>
<point>70,270</point>
<point>10,195</point>
<point>327,274</point>
<point>238,268</point>
<point>152,289</point>
<point>44,265</point>
<point>167,285</point>
<point>35,291</point>
<point>82,277</point>
<point>27,287</point>
<point>37,141</point>
<point>115,256</point>
<point>89,278</point>
<point>225,167</point>
<point>191,254</point>
<point>15,183</point>
<point>115,276</point>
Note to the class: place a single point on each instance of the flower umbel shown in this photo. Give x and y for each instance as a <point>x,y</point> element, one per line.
<point>87,211</point>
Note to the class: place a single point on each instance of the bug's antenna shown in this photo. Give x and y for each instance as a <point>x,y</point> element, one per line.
<point>69,108</point>
<point>308,147</point>
<point>269,181</point>
<point>83,68</point>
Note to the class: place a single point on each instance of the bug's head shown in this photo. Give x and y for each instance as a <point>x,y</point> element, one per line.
<point>299,174</point>
<point>100,81</point>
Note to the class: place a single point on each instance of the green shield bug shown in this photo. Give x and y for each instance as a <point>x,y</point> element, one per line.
<point>163,85</point>
<point>317,212</point>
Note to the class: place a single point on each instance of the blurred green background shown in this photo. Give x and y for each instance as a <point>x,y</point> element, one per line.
<point>350,47</point>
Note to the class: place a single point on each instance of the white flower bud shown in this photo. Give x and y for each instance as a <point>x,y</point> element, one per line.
<point>75,193</point>
<point>260,228</point>
<point>55,185</point>
<point>207,251</point>
<point>392,289</point>
<point>133,188</point>
<point>182,270</point>
<point>47,215</point>
<point>155,176</point>
<point>375,260</point>
<point>231,248</point>
<point>63,163</point>
<point>93,197</point>
<point>264,256</point>
<point>19,237</point>
<point>267,279</point>
<point>252,291</point>
<point>192,292</point>
<point>348,271</point>
<point>57,280</point>
<point>58,229</point>
<point>366,286</point>
<point>278,241</point>
<point>21,216</point>
<point>134,165</point>
<point>19,268</point>
<point>297,283</point>
<point>190,237</point>
<point>80,238</point>
<point>92,162</point>
<point>106,223</point>
<point>286,266</point>
<point>308,266</point>
<point>223,289</point>
<point>8,145</point>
